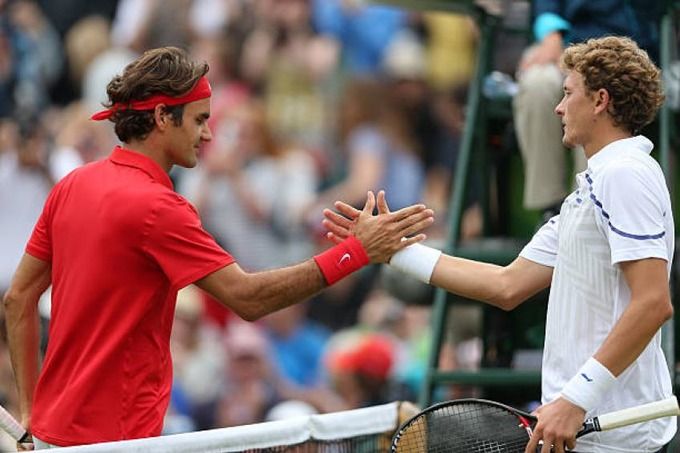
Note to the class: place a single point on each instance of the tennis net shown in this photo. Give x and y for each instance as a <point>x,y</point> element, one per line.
<point>365,430</point>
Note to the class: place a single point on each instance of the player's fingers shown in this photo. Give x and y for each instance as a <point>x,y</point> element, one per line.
<point>532,446</point>
<point>370,203</point>
<point>382,203</point>
<point>334,217</point>
<point>535,443</point>
<point>347,210</point>
<point>408,211</point>
<point>412,240</point>
<point>547,446</point>
<point>336,229</point>
<point>415,218</point>
<point>333,238</point>
<point>416,227</point>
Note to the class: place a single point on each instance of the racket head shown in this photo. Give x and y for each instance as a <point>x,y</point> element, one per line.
<point>465,426</point>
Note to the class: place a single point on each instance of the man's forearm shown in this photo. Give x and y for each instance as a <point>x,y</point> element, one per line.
<point>650,306</point>
<point>632,333</point>
<point>504,287</point>
<point>23,333</point>
<point>629,337</point>
<point>276,289</point>
<point>253,295</point>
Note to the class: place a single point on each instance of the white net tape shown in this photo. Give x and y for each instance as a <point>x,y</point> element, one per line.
<point>327,427</point>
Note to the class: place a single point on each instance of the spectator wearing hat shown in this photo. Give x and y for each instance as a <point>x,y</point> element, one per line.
<point>361,370</point>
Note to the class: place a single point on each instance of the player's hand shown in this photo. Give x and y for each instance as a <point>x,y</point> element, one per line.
<point>558,423</point>
<point>27,445</point>
<point>339,224</point>
<point>382,235</point>
<point>547,52</point>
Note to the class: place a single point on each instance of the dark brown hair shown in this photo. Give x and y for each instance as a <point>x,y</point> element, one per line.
<point>630,77</point>
<point>165,70</point>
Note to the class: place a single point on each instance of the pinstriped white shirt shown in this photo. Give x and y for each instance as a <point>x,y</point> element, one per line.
<point>621,211</point>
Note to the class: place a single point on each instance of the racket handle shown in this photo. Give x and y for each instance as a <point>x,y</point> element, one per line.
<point>11,426</point>
<point>643,413</point>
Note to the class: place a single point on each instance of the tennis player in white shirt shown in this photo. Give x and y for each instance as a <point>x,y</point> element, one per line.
<point>606,257</point>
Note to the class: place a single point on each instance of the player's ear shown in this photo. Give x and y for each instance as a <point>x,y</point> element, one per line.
<point>602,100</point>
<point>161,116</point>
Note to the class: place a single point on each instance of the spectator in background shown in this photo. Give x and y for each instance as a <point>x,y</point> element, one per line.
<point>251,387</point>
<point>381,149</point>
<point>92,62</point>
<point>36,55</point>
<point>360,369</point>
<point>94,58</point>
<point>223,52</point>
<point>363,32</point>
<point>539,131</point>
<point>7,64</point>
<point>26,178</point>
<point>144,24</point>
<point>199,363</point>
<point>436,119</point>
<point>297,345</point>
<point>381,153</point>
<point>252,191</point>
<point>83,43</point>
<point>449,37</point>
<point>294,67</point>
<point>405,324</point>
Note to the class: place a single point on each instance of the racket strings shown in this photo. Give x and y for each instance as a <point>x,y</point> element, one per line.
<point>464,428</point>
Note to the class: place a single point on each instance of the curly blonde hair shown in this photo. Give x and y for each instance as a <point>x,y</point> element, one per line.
<point>630,77</point>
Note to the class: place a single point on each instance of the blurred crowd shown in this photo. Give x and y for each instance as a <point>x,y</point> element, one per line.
<point>313,101</point>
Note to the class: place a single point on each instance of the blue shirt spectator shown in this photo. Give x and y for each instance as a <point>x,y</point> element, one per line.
<point>364,32</point>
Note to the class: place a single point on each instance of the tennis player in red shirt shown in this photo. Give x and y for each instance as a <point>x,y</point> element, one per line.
<point>116,243</point>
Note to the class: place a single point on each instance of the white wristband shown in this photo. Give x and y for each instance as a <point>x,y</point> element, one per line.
<point>416,260</point>
<point>589,386</point>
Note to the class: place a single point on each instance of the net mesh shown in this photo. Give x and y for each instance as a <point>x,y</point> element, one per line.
<point>463,427</point>
<point>364,430</point>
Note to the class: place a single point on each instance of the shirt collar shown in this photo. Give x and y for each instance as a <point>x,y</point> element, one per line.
<point>617,149</point>
<point>123,156</point>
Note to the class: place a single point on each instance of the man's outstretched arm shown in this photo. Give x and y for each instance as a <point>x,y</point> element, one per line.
<point>502,286</point>
<point>375,239</point>
<point>31,279</point>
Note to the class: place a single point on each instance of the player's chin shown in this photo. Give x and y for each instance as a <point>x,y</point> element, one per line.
<point>189,161</point>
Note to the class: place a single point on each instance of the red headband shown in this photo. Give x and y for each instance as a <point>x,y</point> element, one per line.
<point>200,91</point>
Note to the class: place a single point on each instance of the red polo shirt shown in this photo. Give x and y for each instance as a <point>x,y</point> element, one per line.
<point>121,243</point>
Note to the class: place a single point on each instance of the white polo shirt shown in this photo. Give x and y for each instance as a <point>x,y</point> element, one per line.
<point>621,211</point>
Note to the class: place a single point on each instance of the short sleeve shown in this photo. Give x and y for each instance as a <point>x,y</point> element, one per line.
<point>542,248</point>
<point>179,244</point>
<point>40,243</point>
<point>633,213</point>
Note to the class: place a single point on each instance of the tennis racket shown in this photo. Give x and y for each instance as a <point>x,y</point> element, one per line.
<point>12,427</point>
<point>481,426</point>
